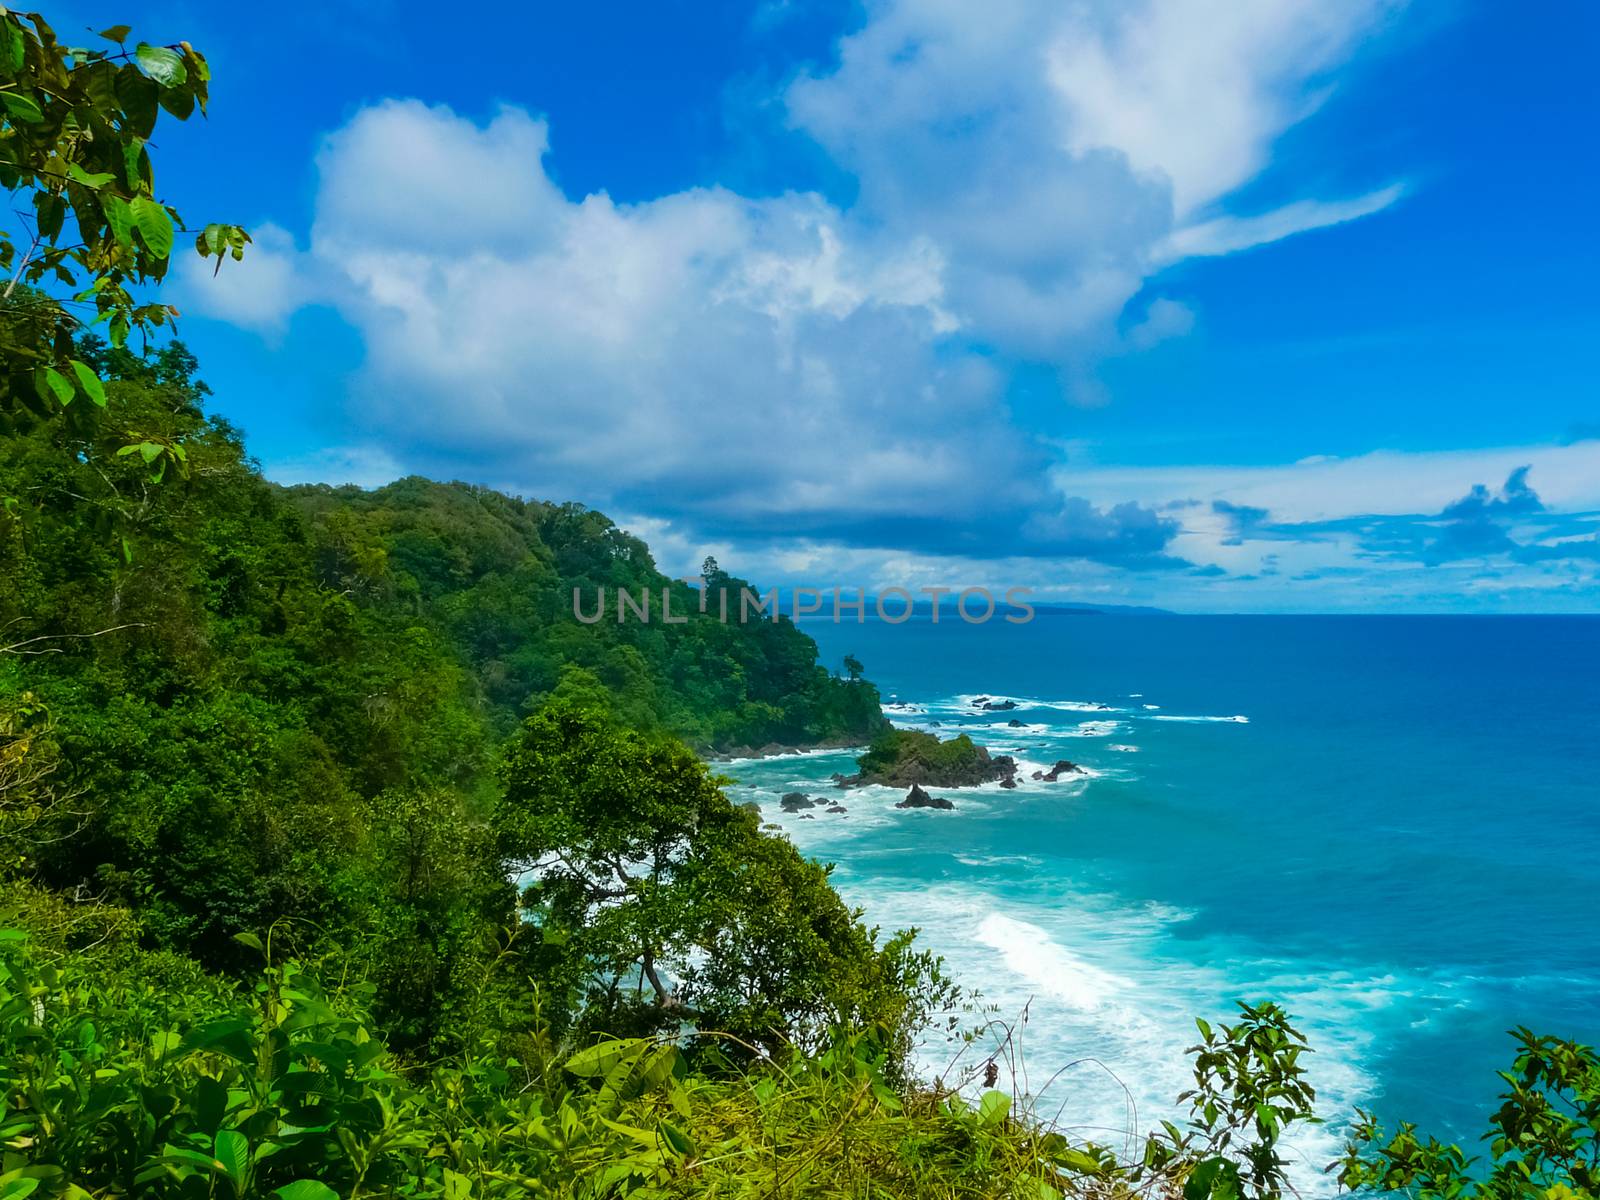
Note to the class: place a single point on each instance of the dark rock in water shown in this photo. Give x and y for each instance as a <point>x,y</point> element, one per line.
<point>939,723</point>
<point>1014,722</point>
<point>795,801</point>
<point>1062,767</point>
<point>772,749</point>
<point>1038,774</point>
<point>1002,706</point>
<point>917,798</point>
<point>837,808</point>
<point>807,817</point>
<point>1103,707</point>
<point>1008,782</point>
<point>980,701</point>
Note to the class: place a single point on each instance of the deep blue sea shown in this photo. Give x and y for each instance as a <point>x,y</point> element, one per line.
<point>1389,825</point>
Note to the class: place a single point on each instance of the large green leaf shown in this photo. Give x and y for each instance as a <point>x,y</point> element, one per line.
<point>163,65</point>
<point>601,1058</point>
<point>993,1108</point>
<point>306,1189</point>
<point>154,225</point>
<point>119,217</point>
<point>12,47</point>
<point>23,107</point>
<point>233,1152</point>
<point>57,383</point>
<point>89,382</point>
<point>138,95</point>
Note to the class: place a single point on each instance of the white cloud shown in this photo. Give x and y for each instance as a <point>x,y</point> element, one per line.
<point>703,343</point>
<point>1053,151</point>
<point>1228,235</point>
<point>1194,91</point>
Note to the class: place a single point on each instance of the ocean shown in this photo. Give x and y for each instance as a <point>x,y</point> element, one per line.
<point>1389,825</point>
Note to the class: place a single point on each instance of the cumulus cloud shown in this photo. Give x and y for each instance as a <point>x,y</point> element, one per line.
<point>787,362</point>
<point>1059,153</point>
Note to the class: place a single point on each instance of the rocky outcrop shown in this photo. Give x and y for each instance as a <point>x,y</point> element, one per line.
<point>795,801</point>
<point>1014,723</point>
<point>917,798</point>
<point>903,757</point>
<point>837,808</point>
<point>1062,767</point>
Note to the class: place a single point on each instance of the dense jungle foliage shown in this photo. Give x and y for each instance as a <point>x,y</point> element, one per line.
<point>253,704</point>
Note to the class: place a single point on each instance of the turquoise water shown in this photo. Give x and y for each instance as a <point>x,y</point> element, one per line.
<point>1389,825</point>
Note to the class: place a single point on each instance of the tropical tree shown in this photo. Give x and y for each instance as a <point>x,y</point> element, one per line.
<point>75,128</point>
<point>670,904</point>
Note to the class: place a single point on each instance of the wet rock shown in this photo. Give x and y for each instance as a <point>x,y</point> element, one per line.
<point>917,798</point>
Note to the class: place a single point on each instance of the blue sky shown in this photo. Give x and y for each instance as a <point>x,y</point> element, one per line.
<point>1267,305</point>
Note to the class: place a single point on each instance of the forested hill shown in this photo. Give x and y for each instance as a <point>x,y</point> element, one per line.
<point>447,596</point>
<point>496,577</point>
<point>234,673</point>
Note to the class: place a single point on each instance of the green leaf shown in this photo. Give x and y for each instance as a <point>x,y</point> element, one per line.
<point>154,225</point>
<point>163,65</point>
<point>1213,1179</point>
<point>306,1189</point>
<point>119,217</point>
<point>58,384</point>
<point>680,1142</point>
<point>13,49</point>
<point>90,383</point>
<point>233,1152</point>
<point>96,180</point>
<point>138,95</point>
<point>250,940</point>
<point>178,101</point>
<point>993,1108</point>
<point>601,1058</point>
<point>23,107</point>
<point>117,33</point>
